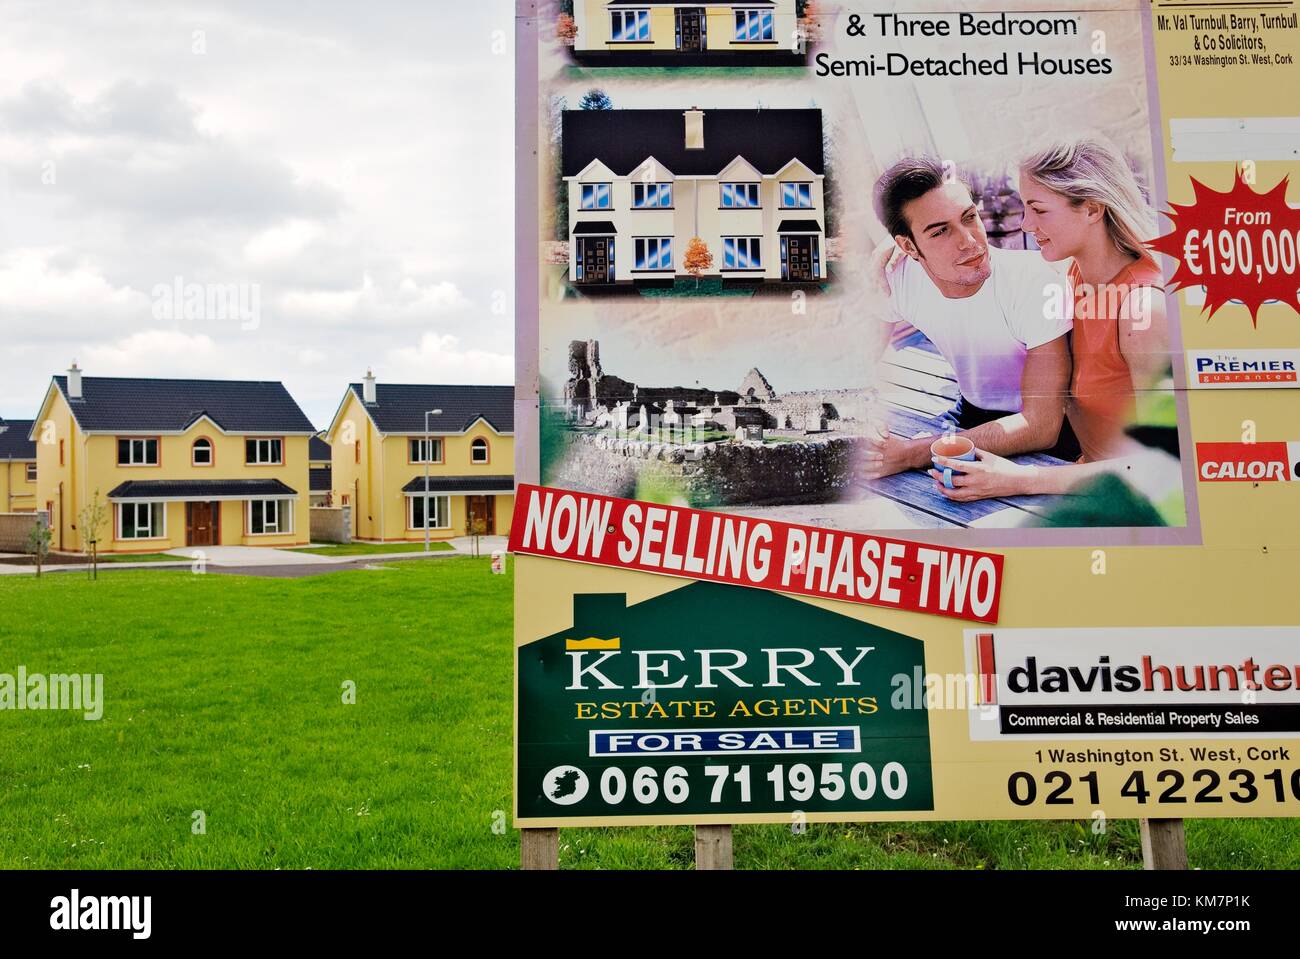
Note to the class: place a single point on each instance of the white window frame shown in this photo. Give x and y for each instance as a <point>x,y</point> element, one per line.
<point>799,186</point>
<point>595,196</point>
<point>194,448</point>
<point>740,187</point>
<point>662,191</point>
<point>282,507</point>
<point>143,459</point>
<point>31,472</point>
<point>753,248</point>
<point>660,242</point>
<point>742,26</point>
<point>418,442</point>
<point>619,21</point>
<point>258,459</point>
<point>474,447</point>
<point>156,511</point>
<point>441,509</point>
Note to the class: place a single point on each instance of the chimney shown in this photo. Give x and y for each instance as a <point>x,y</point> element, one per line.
<point>368,387</point>
<point>74,381</point>
<point>694,129</point>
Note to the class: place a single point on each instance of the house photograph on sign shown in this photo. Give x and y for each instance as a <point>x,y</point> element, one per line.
<point>871,302</point>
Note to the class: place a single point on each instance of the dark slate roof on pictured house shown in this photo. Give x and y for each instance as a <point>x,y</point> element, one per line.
<point>622,139</point>
<point>14,444</point>
<point>400,408</point>
<point>322,478</point>
<point>200,489</point>
<point>119,404</point>
<point>462,484</point>
<point>318,451</point>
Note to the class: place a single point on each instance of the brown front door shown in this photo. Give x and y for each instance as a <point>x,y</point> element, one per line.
<point>798,253</point>
<point>482,508</point>
<point>595,259</point>
<point>201,524</point>
<point>690,30</point>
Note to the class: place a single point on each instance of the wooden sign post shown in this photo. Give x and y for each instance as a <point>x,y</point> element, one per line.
<point>1164,844</point>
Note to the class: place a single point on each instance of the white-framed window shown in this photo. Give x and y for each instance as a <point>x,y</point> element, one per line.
<point>264,452</point>
<point>478,451</point>
<point>141,451</point>
<point>31,472</point>
<point>426,451</point>
<point>753,25</point>
<point>740,195</point>
<point>742,253</point>
<point>141,520</point>
<point>629,26</point>
<point>647,196</point>
<point>654,253</point>
<point>439,512</point>
<point>268,516</point>
<point>596,196</point>
<point>201,452</point>
<point>796,196</point>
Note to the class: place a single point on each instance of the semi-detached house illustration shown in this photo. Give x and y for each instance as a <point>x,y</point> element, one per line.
<point>642,183</point>
<point>626,31</point>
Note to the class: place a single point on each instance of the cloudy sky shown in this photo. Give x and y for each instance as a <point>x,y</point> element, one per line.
<point>328,190</point>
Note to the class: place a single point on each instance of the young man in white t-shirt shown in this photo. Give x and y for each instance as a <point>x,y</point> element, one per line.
<point>985,309</point>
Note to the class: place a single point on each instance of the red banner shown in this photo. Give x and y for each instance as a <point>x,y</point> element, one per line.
<point>746,551</point>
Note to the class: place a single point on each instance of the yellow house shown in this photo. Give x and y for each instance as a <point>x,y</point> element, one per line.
<point>177,463</point>
<point>642,184</point>
<point>387,437</point>
<point>639,32</point>
<point>17,467</point>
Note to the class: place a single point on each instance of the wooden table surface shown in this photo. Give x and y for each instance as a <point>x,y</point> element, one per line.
<point>919,387</point>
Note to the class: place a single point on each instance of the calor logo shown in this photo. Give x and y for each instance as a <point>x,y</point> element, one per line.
<point>1248,462</point>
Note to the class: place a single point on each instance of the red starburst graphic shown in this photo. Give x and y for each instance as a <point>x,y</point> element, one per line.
<point>1240,245</point>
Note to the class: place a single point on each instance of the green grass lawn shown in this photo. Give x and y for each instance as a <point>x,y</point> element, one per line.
<point>224,694</point>
<point>368,549</point>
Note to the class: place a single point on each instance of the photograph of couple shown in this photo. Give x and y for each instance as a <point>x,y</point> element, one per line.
<point>1057,340</point>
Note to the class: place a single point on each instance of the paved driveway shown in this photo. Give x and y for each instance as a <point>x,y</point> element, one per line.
<point>245,556</point>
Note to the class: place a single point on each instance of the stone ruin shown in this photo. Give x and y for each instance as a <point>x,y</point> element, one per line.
<point>593,398</point>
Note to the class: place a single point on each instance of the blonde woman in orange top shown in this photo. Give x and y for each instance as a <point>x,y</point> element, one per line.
<point>1083,204</point>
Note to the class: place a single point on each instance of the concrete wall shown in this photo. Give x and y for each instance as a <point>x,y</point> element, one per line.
<point>331,524</point>
<point>14,530</point>
<point>721,474</point>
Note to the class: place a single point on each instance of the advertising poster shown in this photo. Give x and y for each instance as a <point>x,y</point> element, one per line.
<point>905,411</point>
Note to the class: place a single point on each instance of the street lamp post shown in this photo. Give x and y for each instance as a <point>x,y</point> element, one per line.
<point>428,455</point>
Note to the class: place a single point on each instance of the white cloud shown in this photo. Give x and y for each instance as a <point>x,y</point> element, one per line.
<point>160,353</point>
<point>33,283</point>
<point>441,359</point>
<point>282,241</point>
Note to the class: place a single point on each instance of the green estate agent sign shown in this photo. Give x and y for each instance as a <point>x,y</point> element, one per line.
<point>719,700</point>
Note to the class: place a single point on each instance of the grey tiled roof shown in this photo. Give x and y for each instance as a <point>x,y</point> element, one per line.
<point>462,484</point>
<point>14,444</point>
<point>622,139</point>
<point>322,479</point>
<point>237,406</point>
<point>199,489</point>
<point>318,450</point>
<point>400,407</point>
